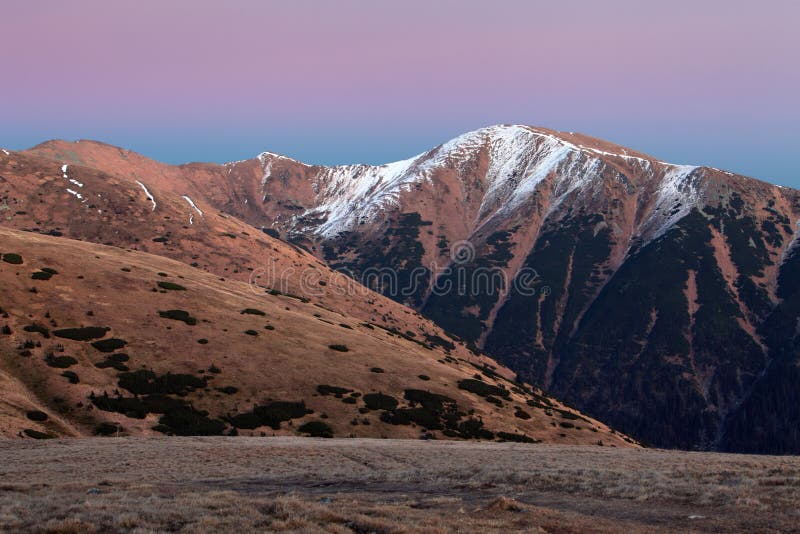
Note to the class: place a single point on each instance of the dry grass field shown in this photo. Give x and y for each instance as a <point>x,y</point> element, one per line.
<point>291,484</point>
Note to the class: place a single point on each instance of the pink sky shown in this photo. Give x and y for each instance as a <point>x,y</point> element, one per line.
<point>711,82</point>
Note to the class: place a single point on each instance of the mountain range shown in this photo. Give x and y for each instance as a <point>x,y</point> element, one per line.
<point>660,299</point>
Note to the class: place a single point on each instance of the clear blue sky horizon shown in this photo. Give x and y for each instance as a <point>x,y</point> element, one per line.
<point>706,83</point>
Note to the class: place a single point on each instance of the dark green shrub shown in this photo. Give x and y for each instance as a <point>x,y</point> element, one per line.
<point>566,424</point>
<point>71,376</point>
<point>420,416</point>
<point>6,330</point>
<point>325,389</point>
<point>187,421</point>
<point>252,311</point>
<point>118,358</point>
<point>214,369</point>
<point>439,341</point>
<point>41,275</point>
<point>109,345</point>
<point>481,388</point>
<point>60,362</point>
<point>431,401</point>
<point>271,232</point>
<point>473,429</point>
<point>108,429</point>
<point>339,348</point>
<point>424,377</point>
<point>522,414</point>
<point>228,390</point>
<point>251,332</point>
<point>171,286</point>
<point>269,327</point>
<point>105,364</point>
<point>519,438</point>
<point>494,400</point>
<point>36,415</point>
<point>316,429</point>
<point>203,341</point>
<point>379,401</point>
<point>349,400</point>
<point>376,370</point>
<point>35,434</point>
<point>85,333</point>
<point>13,259</point>
<point>270,415</point>
<point>178,315</point>
<point>146,382</point>
<point>37,328</point>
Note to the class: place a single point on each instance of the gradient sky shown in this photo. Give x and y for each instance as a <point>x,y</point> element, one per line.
<point>713,82</point>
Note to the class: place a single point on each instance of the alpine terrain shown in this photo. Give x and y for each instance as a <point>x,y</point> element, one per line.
<point>661,299</point>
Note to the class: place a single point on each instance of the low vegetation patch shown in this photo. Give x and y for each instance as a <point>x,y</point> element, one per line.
<point>37,328</point>
<point>35,434</point>
<point>170,286</point>
<point>178,315</point>
<point>518,438</point>
<point>271,415</point>
<point>109,345</point>
<point>179,417</point>
<point>316,429</point>
<point>339,348</point>
<point>325,389</point>
<point>84,333</point>
<point>146,382</point>
<point>12,258</point>
<point>379,401</point>
<point>252,311</point>
<point>60,362</point>
<point>37,416</point>
<point>71,376</point>
<point>115,361</point>
<point>41,275</point>
<point>108,429</point>
<point>481,388</point>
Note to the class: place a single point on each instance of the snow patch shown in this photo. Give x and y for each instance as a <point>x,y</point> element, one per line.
<point>192,204</point>
<point>352,193</point>
<point>6,152</point>
<point>78,195</point>
<point>678,194</point>
<point>146,192</point>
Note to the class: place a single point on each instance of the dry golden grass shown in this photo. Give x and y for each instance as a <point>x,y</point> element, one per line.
<point>287,362</point>
<point>359,485</point>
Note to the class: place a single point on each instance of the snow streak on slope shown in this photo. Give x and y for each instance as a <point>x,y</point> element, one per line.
<point>146,192</point>
<point>192,204</point>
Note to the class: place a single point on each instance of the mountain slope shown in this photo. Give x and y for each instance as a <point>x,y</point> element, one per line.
<point>657,297</point>
<point>105,340</point>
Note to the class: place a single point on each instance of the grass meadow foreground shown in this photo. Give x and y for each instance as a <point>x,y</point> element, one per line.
<point>358,485</point>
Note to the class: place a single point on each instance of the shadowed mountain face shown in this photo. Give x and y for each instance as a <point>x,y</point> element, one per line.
<point>660,298</point>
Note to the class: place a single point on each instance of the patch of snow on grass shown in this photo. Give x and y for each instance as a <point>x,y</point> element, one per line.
<point>146,192</point>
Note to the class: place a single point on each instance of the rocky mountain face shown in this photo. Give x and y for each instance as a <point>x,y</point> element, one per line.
<point>663,299</point>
